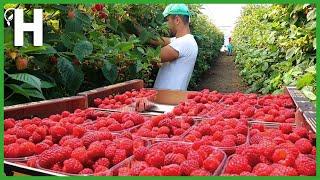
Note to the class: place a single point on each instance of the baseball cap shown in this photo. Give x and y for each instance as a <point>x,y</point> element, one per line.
<point>177,9</point>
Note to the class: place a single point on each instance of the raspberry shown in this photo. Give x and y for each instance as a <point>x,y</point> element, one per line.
<point>188,166</point>
<point>80,154</point>
<point>211,164</point>
<point>242,129</point>
<point>57,167</point>
<point>285,128</point>
<point>314,150</point>
<point>163,130</point>
<point>200,172</point>
<point>119,155</point>
<point>9,139</point>
<point>140,153</point>
<point>125,143</point>
<point>58,131</point>
<point>301,131</point>
<point>100,169</point>
<point>110,151</point>
<point>150,171</point>
<point>241,139</point>
<point>194,155</point>
<point>9,123</point>
<point>238,164</point>
<point>128,124</point>
<point>11,150</point>
<point>36,137</point>
<point>181,148</point>
<point>32,162</point>
<point>262,169</point>
<point>249,112</point>
<point>155,158</point>
<point>72,166</point>
<point>53,155</point>
<point>115,127</point>
<point>260,127</point>
<point>124,171</point>
<point>283,156</point>
<point>22,133</point>
<point>255,139</point>
<point>72,143</point>
<point>305,165</point>
<point>40,147</point>
<point>304,146</point>
<point>96,150</point>
<point>293,137</point>
<point>86,171</point>
<point>137,167</point>
<point>90,137</point>
<point>101,162</point>
<point>171,170</point>
<point>172,158</point>
<point>281,170</point>
<point>26,149</point>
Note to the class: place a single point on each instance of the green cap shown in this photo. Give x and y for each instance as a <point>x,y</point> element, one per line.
<point>179,9</point>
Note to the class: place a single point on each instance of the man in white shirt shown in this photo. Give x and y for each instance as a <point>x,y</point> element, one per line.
<point>178,54</point>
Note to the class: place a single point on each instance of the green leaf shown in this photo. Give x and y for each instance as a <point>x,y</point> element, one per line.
<point>311,69</point>
<point>72,77</point>
<point>82,49</point>
<point>311,15</point>
<point>18,90</point>
<point>315,43</point>
<point>307,91</point>
<point>265,66</point>
<point>141,50</point>
<point>27,78</point>
<point>47,85</point>
<point>110,71</point>
<point>8,37</point>
<point>124,46</point>
<point>69,39</point>
<point>305,80</point>
<point>290,52</point>
<point>73,25</point>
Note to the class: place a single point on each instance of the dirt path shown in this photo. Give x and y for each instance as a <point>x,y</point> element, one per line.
<point>223,76</point>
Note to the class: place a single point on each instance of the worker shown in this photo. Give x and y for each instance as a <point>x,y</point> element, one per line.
<point>179,53</point>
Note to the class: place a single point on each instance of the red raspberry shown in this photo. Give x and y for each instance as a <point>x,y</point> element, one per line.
<point>110,151</point>
<point>314,150</point>
<point>301,131</point>
<point>200,172</point>
<point>171,170</point>
<point>9,123</point>
<point>72,166</point>
<point>22,133</point>
<point>102,171</point>
<point>40,147</point>
<point>181,148</point>
<point>125,143</point>
<point>304,146</point>
<point>11,150</point>
<point>260,127</point>
<point>101,162</point>
<point>249,112</point>
<point>155,158</point>
<point>128,124</point>
<point>293,137</point>
<point>280,170</point>
<point>188,166</point>
<point>119,155</point>
<point>283,156</point>
<point>32,162</point>
<point>53,155</point>
<point>163,130</point>
<point>305,165</point>
<point>140,153</point>
<point>262,169</point>
<point>241,139</point>
<point>124,171</point>
<point>80,154</point>
<point>86,171</point>
<point>58,131</point>
<point>9,139</point>
<point>115,127</point>
<point>96,150</point>
<point>137,167</point>
<point>78,131</point>
<point>172,158</point>
<point>150,171</point>
<point>194,155</point>
<point>72,143</point>
<point>27,149</point>
<point>57,167</point>
<point>242,129</point>
<point>211,164</point>
<point>285,128</point>
<point>89,138</point>
<point>36,137</point>
<point>238,164</point>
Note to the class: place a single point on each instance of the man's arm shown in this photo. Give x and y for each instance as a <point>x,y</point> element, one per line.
<point>163,41</point>
<point>168,54</point>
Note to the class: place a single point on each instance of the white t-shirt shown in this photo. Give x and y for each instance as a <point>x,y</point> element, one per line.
<point>175,75</point>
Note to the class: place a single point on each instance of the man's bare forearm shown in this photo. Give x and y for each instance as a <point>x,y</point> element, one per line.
<point>163,41</point>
